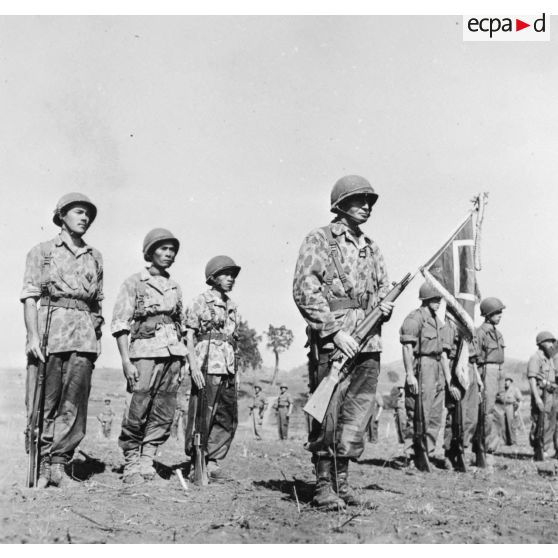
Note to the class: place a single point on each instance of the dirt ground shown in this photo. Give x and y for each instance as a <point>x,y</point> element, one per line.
<point>269,499</point>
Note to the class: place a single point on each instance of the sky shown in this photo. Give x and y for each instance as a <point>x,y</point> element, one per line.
<point>231,131</point>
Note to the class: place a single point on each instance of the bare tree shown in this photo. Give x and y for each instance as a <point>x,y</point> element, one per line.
<point>279,339</point>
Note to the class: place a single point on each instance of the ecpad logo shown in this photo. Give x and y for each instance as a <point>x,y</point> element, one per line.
<point>506,28</point>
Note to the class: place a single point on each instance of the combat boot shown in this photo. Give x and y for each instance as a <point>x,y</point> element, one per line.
<point>146,468</point>
<point>324,497</point>
<point>59,477</point>
<point>44,473</point>
<point>131,473</point>
<point>340,483</point>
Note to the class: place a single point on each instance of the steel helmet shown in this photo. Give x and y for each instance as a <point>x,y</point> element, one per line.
<point>69,199</point>
<point>283,386</point>
<point>218,264</point>
<point>491,305</point>
<point>545,336</point>
<point>154,237</point>
<point>351,186</point>
<point>427,291</point>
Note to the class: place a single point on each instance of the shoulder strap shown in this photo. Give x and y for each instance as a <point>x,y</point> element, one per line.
<point>334,255</point>
<point>46,253</point>
<point>139,311</point>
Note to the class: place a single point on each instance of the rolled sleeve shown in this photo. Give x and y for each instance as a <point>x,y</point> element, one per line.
<point>409,331</point>
<point>533,367</point>
<point>124,308</point>
<point>32,276</point>
<point>192,315</point>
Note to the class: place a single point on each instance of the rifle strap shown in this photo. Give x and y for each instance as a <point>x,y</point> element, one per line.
<point>335,262</point>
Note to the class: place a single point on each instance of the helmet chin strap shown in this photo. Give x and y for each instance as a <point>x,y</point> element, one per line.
<point>352,221</point>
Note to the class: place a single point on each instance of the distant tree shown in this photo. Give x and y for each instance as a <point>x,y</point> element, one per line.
<point>393,376</point>
<point>279,339</point>
<point>247,349</point>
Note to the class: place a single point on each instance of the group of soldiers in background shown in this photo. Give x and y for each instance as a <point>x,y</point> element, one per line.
<point>340,276</point>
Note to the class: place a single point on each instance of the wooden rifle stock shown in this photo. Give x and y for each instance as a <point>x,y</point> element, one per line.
<point>317,404</point>
<point>456,449</point>
<point>420,445</point>
<point>35,427</point>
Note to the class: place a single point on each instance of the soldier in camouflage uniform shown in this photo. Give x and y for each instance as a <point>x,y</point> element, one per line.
<point>490,361</point>
<point>283,406</point>
<point>426,342</point>
<point>211,334</point>
<point>70,273</point>
<point>148,308</point>
<point>257,410</point>
<point>340,275</point>
<point>542,382</point>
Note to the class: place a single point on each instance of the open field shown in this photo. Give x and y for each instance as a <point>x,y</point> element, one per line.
<point>268,500</point>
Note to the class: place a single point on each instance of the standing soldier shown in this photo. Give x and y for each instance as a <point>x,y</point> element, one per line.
<point>401,427</point>
<point>373,425</point>
<point>211,335</point>
<point>283,407</point>
<point>257,410</point>
<point>66,274</point>
<point>512,400</point>
<point>490,361</point>
<point>542,383</point>
<point>105,419</point>
<point>149,309</point>
<point>340,275</point>
<point>426,341</point>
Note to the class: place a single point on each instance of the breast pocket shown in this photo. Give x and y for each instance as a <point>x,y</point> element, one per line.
<point>431,342</point>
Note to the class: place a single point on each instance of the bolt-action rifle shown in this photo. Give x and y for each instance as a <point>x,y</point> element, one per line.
<point>341,365</point>
<point>479,439</point>
<point>420,445</point>
<point>538,441</point>
<point>201,427</point>
<point>35,428</point>
<point>456,450</point>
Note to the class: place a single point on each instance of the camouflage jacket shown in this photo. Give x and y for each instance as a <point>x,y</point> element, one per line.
<point>53,268</point>
<point>366,275</point>
<point>161,296</point>
<point>210,313</point>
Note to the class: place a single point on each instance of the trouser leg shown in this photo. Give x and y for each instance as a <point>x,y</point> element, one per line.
<point>494,417</point>
<point>225,418</point>
<point>433,386</point>
<point>283,421</point>
<point>66,400</point>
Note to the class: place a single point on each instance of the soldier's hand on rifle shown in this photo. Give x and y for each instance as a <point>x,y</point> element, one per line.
<point>540,404</point>
<point>131,373</point>
<point>197,377</point>
<point>386,308</point>
<point>33,348</point>
<point>347,344</point>
<point>454,392</point>
<point>412,383</point>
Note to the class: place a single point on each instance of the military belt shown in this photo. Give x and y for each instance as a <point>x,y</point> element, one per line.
<point>216,336</point>
<point>64,302</point>
<point>432,356</point>
<point>343,304</point>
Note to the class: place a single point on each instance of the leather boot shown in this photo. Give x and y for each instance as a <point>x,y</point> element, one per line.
<point>146,468</point>
<point>340,483</point>
<point>44,473</point>
<point>131,467</point>
<point>324,497</point>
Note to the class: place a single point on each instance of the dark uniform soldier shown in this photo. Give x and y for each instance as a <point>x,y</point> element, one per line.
<point>283,406</point>
<point>105,418</point>
<point>512,400</point>
<point>211,335</point>
<point>149,308</point>
<point>542,383</point>
<point>68,273</point>
<point>426,342</point>
<point>490,361</point>
<point>340,275</point>
<point>257,410</point>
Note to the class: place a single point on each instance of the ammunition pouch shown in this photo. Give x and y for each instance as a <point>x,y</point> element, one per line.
<point>343,304</point>
<point>146,327</point>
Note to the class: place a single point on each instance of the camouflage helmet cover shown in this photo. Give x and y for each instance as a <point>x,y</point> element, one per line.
<point>491,305</point>
<point>154,237</point>
<point>545,336</point>
<point>70,199</point>
<point>218,264</point>
<point>348,186</point>
<point>427,291</point>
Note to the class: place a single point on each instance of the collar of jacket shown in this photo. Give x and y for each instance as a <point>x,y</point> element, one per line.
<point>339,228</point>
<point>212,296</point>
<point>146,276</point>
<point>63,238</point>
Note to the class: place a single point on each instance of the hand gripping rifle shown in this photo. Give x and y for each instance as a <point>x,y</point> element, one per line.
<point>201,426</point>
<point>456,450</point>
<point>35,427</point>
<point>420,445</point>
<point>341,365</point>
<point>479,439</point>
<point>538,440</point>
